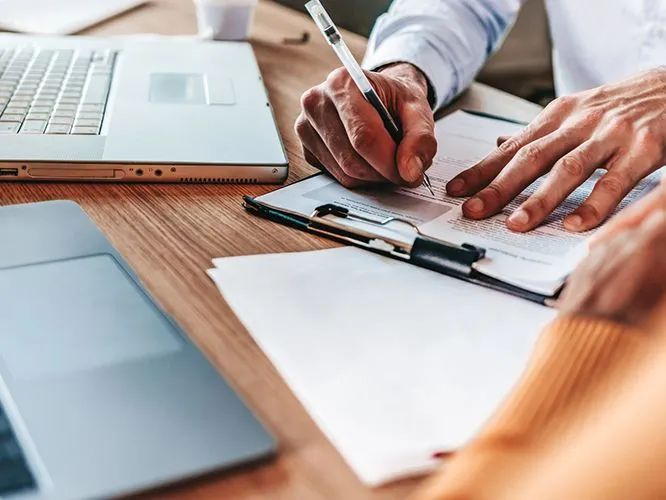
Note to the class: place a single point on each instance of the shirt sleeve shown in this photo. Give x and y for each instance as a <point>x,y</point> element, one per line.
<point>449,40</point>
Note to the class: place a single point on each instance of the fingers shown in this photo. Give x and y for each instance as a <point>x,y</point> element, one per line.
<point>624,172</point>
<point>326,122</point>
<point>630,217</point>
<point>569,172</point>
<point>585,282</point>
<point>482,174</point>
<point>641,272</point>
<point>318,155</point>
<point>363,126</point>
<point>419,145</point>
<point>502,139</point>
<point>343,131</point>
<point>531,162</point>
<point>336,116</point>
<point>623,280</point>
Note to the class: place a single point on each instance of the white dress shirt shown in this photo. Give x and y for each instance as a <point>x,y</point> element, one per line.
<point>595,41</point>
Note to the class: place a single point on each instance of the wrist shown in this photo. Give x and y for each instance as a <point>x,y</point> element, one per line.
<point>408,74</point>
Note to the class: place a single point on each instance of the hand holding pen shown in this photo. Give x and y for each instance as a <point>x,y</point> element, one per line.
<point>361,138</point>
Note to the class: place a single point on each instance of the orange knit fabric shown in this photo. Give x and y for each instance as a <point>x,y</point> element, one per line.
<point>577,365</point>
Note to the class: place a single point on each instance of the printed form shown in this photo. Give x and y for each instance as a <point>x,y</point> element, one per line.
<point>538,261</point>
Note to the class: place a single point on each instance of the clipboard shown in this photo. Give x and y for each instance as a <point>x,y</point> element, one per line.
<point>457,261</point>
<point>436,255</point>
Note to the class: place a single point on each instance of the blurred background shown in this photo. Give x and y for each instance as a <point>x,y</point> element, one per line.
<point>522,66</point>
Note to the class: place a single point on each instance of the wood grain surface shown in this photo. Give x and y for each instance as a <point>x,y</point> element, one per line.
<point>170,233</point>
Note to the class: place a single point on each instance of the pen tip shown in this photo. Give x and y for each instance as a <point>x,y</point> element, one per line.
<point>428,184</point>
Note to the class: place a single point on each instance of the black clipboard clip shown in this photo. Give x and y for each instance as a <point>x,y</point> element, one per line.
<point>423,251</point>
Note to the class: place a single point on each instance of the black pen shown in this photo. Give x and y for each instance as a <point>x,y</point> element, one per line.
<point>332,34</point>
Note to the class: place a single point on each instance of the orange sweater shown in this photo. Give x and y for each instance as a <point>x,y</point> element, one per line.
<point>579,375</point>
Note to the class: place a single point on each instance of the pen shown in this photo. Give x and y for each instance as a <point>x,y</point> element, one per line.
<point>332,35</point>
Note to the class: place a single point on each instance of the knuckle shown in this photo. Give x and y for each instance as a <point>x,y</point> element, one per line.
<point>301,126</point>
<point>346,161</point>
<point>363,137</point>
<point>530,154</point>
<point>509,147</point>
<point>564,102</point>
<point>311,99</point>
<point>352,166</point>
<point>613,185</point>
<point>572,165</point>
<point>338,78</point>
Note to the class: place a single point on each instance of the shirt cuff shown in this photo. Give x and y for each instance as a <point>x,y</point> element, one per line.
<point>410,49</point>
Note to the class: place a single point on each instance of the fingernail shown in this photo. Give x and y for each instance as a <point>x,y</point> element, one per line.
<point>475,205</point>
<point>456,185</point>
<point>415,168</point>
<point>441,455</point>
<point>520,217</point>
<point>574,222</point>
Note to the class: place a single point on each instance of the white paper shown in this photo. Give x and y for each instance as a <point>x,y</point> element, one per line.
<point>59,17</point>
<point>393,362</point>
<point>538,261</point>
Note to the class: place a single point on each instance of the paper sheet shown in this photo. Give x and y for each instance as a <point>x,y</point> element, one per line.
<point>393,362</point>
<point>539,260</point>
<point>59,17</point>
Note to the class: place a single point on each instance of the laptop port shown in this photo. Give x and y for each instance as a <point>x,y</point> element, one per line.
<point>7,172</point>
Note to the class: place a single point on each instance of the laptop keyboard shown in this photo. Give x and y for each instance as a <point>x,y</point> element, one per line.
<point>46,91</point>
<point>15,475</point>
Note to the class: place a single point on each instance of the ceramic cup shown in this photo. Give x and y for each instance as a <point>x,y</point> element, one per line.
<point>225,19</point>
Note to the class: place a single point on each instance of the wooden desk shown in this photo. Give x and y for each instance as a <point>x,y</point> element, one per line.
<point>170,233</point>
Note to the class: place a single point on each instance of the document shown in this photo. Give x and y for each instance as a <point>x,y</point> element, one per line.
<point>538,261</point>
<point>394,363</point>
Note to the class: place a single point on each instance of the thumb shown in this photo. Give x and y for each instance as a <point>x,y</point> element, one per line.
<point>419,145</point>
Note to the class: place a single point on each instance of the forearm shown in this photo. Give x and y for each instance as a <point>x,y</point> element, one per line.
<point>448,40</point>
<point>575,363</point>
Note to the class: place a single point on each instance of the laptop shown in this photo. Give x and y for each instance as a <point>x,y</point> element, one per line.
<point>135,109</point>
<point>101,393</point>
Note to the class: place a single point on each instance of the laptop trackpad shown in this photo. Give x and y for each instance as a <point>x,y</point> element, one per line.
<point>176,88</point>
<point>77,315</point>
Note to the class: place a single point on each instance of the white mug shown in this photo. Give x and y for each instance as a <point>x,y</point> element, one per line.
<point>225,19</point>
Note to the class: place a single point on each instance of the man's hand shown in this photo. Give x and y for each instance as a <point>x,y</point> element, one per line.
<point>620,128</point>
<point>633,216</point>
<point>623,279</point>
<point>342,133</point>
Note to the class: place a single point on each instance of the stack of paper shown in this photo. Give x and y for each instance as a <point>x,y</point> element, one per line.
<point>393,362</point>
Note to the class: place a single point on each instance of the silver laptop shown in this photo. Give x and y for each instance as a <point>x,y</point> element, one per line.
<point>135,109</point>
<point>101,394</point>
